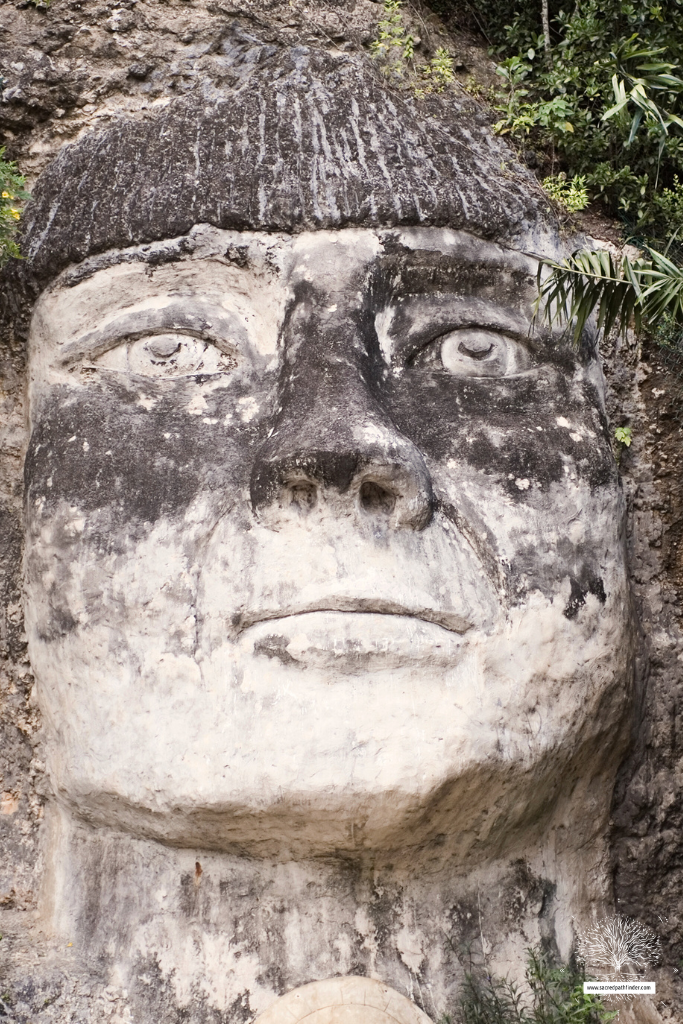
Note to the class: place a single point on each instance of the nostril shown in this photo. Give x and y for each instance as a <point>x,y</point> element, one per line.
<point>375,498</point>
<point>303,496</point>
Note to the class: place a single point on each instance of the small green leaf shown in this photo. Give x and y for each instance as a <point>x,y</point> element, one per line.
<point>623,436</point>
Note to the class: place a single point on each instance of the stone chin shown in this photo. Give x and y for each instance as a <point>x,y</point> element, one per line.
<point>324,545</point>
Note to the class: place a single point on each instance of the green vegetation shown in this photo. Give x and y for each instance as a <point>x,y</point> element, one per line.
<point>596,95</point>
<point>12,194</point>
<point>620,290</point>
<point>556,997</point>
<point>439,70</point>
<point>394,48</point>
<point>606,102</point>
<point>591,93</point>
<point>597,91</point>
<point>570,193</point>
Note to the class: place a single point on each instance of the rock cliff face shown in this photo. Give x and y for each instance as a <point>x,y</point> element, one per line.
<point>646,389</point>
<point>108,924</point>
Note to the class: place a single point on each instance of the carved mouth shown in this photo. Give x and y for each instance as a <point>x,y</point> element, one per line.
<point>354,641</point>
<point>452,621</point>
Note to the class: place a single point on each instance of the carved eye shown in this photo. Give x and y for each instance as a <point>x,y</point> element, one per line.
<point>166,355</point>
<point>474,352</point>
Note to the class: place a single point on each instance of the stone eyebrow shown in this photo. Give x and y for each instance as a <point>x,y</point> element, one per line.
<point>200,320</point>
<point>426,270</point>
<point>471,311</point>
<point>154,254</point>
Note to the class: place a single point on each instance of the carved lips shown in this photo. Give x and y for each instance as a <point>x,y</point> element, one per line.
<point>354,641</point>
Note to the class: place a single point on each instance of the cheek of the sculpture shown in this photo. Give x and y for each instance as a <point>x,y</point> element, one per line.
<point>540,427</point>
<point>124,484</point>
<point>141,449</point>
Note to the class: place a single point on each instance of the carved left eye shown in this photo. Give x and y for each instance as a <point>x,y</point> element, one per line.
<point>474,352</point>
<point>166,355</point>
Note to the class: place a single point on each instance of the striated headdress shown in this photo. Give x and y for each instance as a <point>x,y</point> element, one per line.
<point>290,139</point>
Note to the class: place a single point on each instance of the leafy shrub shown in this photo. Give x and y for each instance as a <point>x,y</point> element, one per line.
<point>12,194</point>
<point>605,104</point>
<point>571,193</point>
<point>668,203</point>
<point>615,66</point>
<point>623,435</point>
<point>668,334</point>
<point>439,70</point>
<point>557,997</point>
<point>394,48</point>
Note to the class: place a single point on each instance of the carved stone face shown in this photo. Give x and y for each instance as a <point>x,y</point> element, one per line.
<point>324,543</point>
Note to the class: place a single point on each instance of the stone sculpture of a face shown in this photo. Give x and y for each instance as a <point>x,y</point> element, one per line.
<point>324,539</point>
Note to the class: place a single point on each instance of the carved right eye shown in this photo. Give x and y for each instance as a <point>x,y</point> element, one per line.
<point>474,352</point>
<point>166,355</point>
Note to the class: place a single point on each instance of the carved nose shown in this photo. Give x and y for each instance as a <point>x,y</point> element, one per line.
<point>331,445</point>
<point>347,457</point>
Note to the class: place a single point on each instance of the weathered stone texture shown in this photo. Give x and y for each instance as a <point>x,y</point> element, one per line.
<point>20,804</point>
<point>311,140</point>
<point>77,66</point>
<point>646,393</point>
<point>76,61</point>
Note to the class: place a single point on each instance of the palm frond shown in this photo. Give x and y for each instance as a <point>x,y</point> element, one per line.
<point>587,280</point>
<point>621,291</point>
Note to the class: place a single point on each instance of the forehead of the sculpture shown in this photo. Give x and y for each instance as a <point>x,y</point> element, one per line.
<point>300,140</point>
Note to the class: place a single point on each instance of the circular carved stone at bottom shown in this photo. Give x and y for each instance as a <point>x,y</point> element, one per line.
<point>350,1000</point>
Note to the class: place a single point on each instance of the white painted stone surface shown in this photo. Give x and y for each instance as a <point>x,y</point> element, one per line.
<point>338,578</point>
<point>300,684</point>
<point>350,1000</point>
